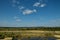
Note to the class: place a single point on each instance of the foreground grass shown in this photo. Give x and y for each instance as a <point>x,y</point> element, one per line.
<point>29,31</point>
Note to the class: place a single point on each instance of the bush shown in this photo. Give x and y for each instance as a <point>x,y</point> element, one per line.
<point>2,36</point>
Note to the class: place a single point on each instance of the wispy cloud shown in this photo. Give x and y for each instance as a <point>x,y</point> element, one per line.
<point>42,5</point>
<point>34,10</point>
<point>24,9</point>
<point>14,1</point>
<point>18,2</point>
<point>28,11</point>
<point>36,4</point>
<point>54,22</point>
<point>17,19</point>
<point>21,7</point>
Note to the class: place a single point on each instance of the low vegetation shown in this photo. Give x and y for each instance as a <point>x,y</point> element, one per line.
<point>29,28</point>
<point>19,34</point>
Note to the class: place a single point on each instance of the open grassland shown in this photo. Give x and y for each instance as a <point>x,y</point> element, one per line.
<point>30,32</point>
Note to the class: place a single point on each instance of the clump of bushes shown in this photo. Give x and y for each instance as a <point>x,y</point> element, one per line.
<point>2,36</point>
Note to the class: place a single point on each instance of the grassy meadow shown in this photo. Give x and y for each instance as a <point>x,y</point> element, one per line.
<point>28,32</point>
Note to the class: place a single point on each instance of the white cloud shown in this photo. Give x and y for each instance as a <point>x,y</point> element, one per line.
<point>17,19</point>
<point>35,10</point>
<point>42,5</point>
<point>36,4</point>
<point>21,7</point>
<point>28,11</point>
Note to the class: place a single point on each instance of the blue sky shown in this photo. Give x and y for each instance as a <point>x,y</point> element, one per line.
<point>21,13</point>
